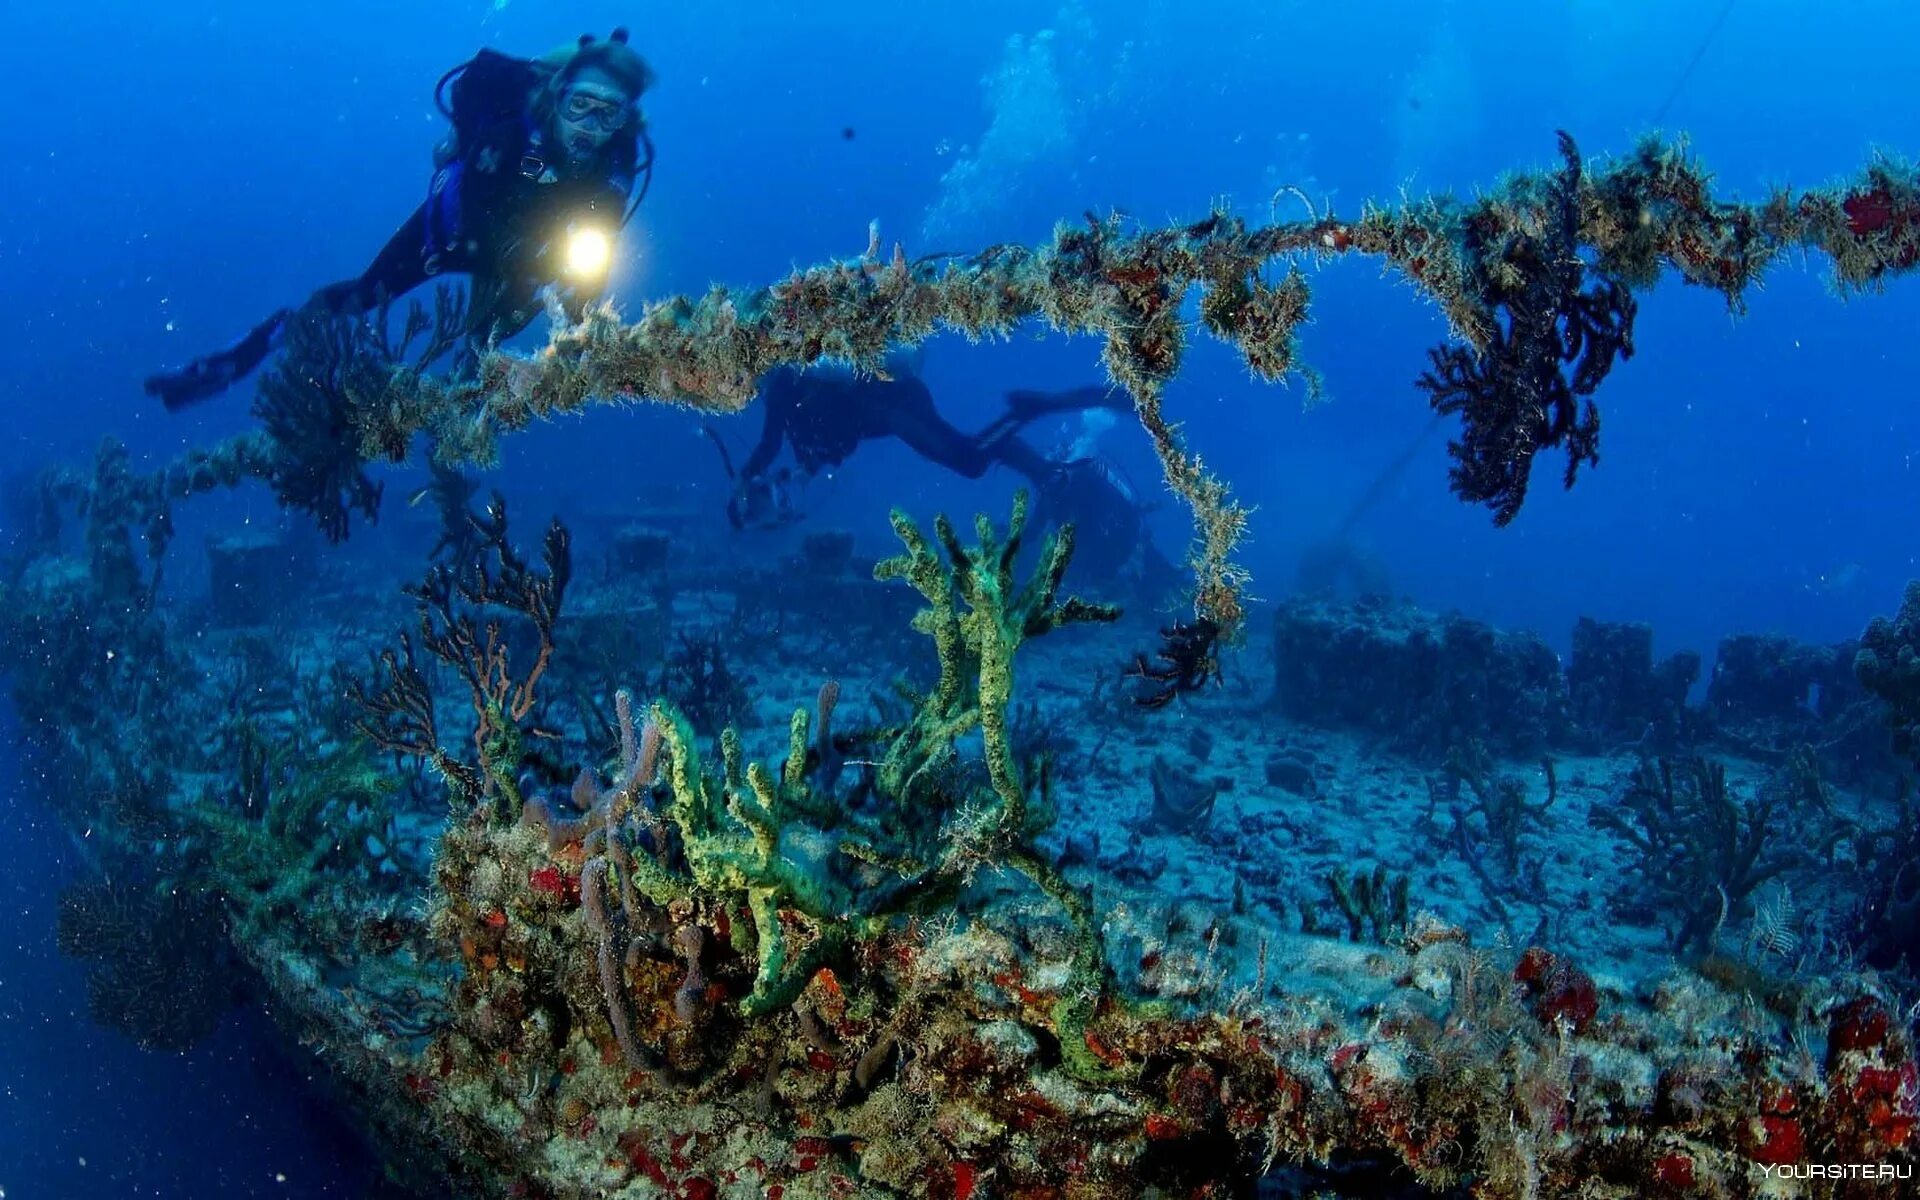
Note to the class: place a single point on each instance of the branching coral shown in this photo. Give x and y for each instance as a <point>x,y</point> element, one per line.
<point>696,676</point>
<point>1500,801</point>
<point>1703,850</point>
<point>976,644</point>
<point>337,398</point>
<point>452,490</point>
<point>820,872</point>
<point>398,712</point>
<point>305,828</point>
<point>738,830</point>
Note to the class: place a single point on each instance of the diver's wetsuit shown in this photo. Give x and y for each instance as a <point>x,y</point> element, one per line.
<point>1110,535</point>
<point>824,415</point>
<point>490,213</point>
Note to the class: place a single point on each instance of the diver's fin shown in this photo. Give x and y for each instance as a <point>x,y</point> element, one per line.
<point>1027,405</point>
<point>193,383</point>
<point>205,378</point>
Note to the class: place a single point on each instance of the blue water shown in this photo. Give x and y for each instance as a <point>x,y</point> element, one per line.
<point>175,171</point>
<point>84,1112</point>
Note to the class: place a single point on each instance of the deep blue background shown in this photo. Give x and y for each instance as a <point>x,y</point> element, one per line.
<point>175,171</point>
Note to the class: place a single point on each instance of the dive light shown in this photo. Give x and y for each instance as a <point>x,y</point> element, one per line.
<point>589,254</point>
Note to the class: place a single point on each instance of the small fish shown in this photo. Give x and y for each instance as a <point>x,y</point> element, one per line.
<point>418,494</point>
<point>1834,582</point>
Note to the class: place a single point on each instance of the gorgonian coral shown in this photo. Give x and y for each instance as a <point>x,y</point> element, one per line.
<point>337,397</point>
<point>157,968</point>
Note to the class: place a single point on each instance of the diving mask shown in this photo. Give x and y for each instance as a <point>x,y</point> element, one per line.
<point>583,107</point>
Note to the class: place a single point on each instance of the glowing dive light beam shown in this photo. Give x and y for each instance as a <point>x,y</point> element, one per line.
<point>589,254</point>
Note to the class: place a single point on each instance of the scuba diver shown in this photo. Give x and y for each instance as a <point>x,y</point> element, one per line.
<point>1112,545</point>
<point>537,177</point>
<point>823,415</point>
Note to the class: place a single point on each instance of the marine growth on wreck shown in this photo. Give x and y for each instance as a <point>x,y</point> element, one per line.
<point>510,836</point>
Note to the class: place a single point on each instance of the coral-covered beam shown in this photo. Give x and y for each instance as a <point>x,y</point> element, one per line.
<point>1632,219</point>
<point>1509,269</point>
